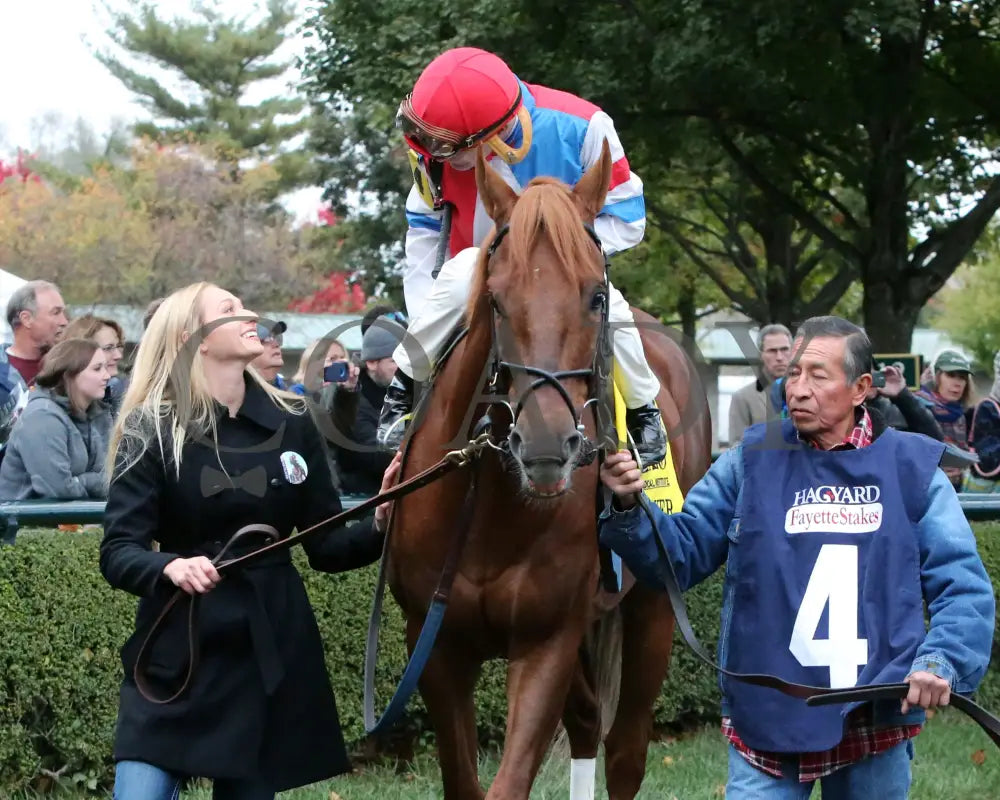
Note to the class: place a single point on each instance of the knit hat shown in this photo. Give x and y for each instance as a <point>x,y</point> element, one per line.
<point>380,341</point>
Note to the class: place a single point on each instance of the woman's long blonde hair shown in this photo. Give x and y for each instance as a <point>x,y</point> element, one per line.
<point>169,391</point>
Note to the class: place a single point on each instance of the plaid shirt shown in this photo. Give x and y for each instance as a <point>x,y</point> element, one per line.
<point>861,738</point>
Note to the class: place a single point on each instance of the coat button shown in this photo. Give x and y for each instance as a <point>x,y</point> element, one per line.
<point>275,482</point>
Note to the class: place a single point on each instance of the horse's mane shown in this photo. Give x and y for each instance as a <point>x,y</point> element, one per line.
<point>544,209</point>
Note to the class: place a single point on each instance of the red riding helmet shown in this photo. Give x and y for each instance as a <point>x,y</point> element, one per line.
<point>464,97</point>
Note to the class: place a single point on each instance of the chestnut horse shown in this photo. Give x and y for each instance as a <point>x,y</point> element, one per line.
<point>527,583</point>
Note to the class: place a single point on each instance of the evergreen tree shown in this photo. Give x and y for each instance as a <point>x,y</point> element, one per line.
<point>217,60</point>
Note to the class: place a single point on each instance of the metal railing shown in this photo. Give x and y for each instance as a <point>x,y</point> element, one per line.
<point>49,513</point>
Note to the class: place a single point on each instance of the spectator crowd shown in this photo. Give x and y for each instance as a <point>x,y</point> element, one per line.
<point>944,407</point>
<point>62,383</point>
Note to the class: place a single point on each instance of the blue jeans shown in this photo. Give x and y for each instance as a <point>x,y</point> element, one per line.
<point>137,780</point>
<point>885,777</point>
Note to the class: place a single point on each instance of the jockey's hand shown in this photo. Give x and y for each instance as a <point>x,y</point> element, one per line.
<point>926,691</point>
<point>388,481</point>
<point>621,474</point>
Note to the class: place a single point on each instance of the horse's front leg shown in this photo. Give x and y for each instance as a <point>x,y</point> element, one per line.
<point>447,685</point>
<point>538,678</point>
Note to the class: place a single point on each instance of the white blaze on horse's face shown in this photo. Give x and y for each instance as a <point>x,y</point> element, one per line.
<point>546,279</point>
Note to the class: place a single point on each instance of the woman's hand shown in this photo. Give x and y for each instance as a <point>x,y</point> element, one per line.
<point>388,481</point>
<point>192,575</point>
<point>353,373</point>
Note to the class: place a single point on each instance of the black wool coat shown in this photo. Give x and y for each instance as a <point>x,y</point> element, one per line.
<point>260,704</point>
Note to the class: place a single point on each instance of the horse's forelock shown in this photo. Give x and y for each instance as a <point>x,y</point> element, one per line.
<point>546,209</point>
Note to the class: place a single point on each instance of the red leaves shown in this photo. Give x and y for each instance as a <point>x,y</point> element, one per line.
<point>326,216</point>
<point>19,170</point>
<point>336,296</point>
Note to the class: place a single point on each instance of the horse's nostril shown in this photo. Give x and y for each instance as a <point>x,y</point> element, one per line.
<point>571,446</point>
<point>515,443</point>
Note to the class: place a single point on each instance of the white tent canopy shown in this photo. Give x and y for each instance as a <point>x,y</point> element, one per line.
<point>8,284</point>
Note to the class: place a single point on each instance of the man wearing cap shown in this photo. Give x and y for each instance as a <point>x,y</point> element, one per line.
<point>362,463</point>
<point>269,363</point>
<point>468,99</point>
<point>836,533</point>
<point>950,396</point>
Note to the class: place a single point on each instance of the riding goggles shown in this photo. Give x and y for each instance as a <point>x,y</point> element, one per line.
<point>440,143</point>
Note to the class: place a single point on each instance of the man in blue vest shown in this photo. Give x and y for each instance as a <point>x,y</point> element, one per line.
<point>834,535</point>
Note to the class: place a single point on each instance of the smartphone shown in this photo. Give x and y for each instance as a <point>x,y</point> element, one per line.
<point>337,372</point>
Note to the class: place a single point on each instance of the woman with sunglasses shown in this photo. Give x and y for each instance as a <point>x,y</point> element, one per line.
<point>269,363</point>
<point>468,100</point>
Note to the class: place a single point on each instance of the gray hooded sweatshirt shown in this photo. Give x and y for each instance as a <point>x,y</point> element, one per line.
<point>54,452</point>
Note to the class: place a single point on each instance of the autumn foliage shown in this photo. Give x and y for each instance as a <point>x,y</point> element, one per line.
<point>336,296</point>
<point>174,215</point>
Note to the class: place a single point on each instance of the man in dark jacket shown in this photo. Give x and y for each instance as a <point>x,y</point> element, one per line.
<point>362,463</point>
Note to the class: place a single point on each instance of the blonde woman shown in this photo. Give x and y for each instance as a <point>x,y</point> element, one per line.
<point>311,373</point>
<point>203,447</point>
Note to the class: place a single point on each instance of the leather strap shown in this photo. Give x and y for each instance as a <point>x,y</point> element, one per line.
<point>813,695</point>
<point>453,460</point>
<point>428,631</point>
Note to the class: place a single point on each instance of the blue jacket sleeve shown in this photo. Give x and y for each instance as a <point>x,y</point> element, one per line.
<point>696,538</point>
<point>957,590</point>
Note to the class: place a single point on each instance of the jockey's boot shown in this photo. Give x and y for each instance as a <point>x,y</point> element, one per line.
<point>647,432</point>
<point>396,410</point>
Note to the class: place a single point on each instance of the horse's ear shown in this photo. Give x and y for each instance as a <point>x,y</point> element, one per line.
<point>498,198</point>
<point>592,188</point>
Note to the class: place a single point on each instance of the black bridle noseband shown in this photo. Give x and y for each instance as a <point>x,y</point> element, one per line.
<point>597,374</point>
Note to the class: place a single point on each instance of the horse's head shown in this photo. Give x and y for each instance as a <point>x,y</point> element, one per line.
<point>542,281</point>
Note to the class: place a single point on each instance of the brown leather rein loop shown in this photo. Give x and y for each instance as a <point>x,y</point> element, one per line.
<point>455,459</point>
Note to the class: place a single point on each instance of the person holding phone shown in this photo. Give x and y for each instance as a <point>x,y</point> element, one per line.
<point>360,461</point>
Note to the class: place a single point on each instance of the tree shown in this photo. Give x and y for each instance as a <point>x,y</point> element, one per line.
<point>366,58</point>
<point>872,126</point>
<point>173,217</point>
<point>217,60</point>
<point>969,306</point>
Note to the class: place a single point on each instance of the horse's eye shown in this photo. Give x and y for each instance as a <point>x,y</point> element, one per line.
<point>598,300</point>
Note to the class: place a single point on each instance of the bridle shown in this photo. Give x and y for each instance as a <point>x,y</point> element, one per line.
<point>597,374</point>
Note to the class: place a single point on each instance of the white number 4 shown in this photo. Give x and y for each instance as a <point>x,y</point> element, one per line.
<point>834,581</point>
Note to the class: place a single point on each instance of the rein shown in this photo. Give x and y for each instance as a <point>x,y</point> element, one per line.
<point>453,460</point>
<point>813,695</point>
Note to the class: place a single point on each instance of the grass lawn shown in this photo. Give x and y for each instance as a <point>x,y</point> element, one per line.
<point>954,761</point>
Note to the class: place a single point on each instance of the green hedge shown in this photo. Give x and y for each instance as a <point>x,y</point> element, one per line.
<point>62,627</point>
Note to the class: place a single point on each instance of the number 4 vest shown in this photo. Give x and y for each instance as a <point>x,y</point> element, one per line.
<point>824,571</point>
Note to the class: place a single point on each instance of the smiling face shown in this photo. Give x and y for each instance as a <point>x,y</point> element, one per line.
<point>90,384</point>
<point>821,402</point>
<point>237,341</point>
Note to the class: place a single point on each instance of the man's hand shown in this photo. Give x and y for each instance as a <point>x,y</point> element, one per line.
<point>926,691</point>
<point>192,575</point>
<point>621,474</point>
<point>388,481</point>
<point>894,382</point>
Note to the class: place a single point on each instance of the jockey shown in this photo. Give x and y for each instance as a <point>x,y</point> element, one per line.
<point>466,99</point>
